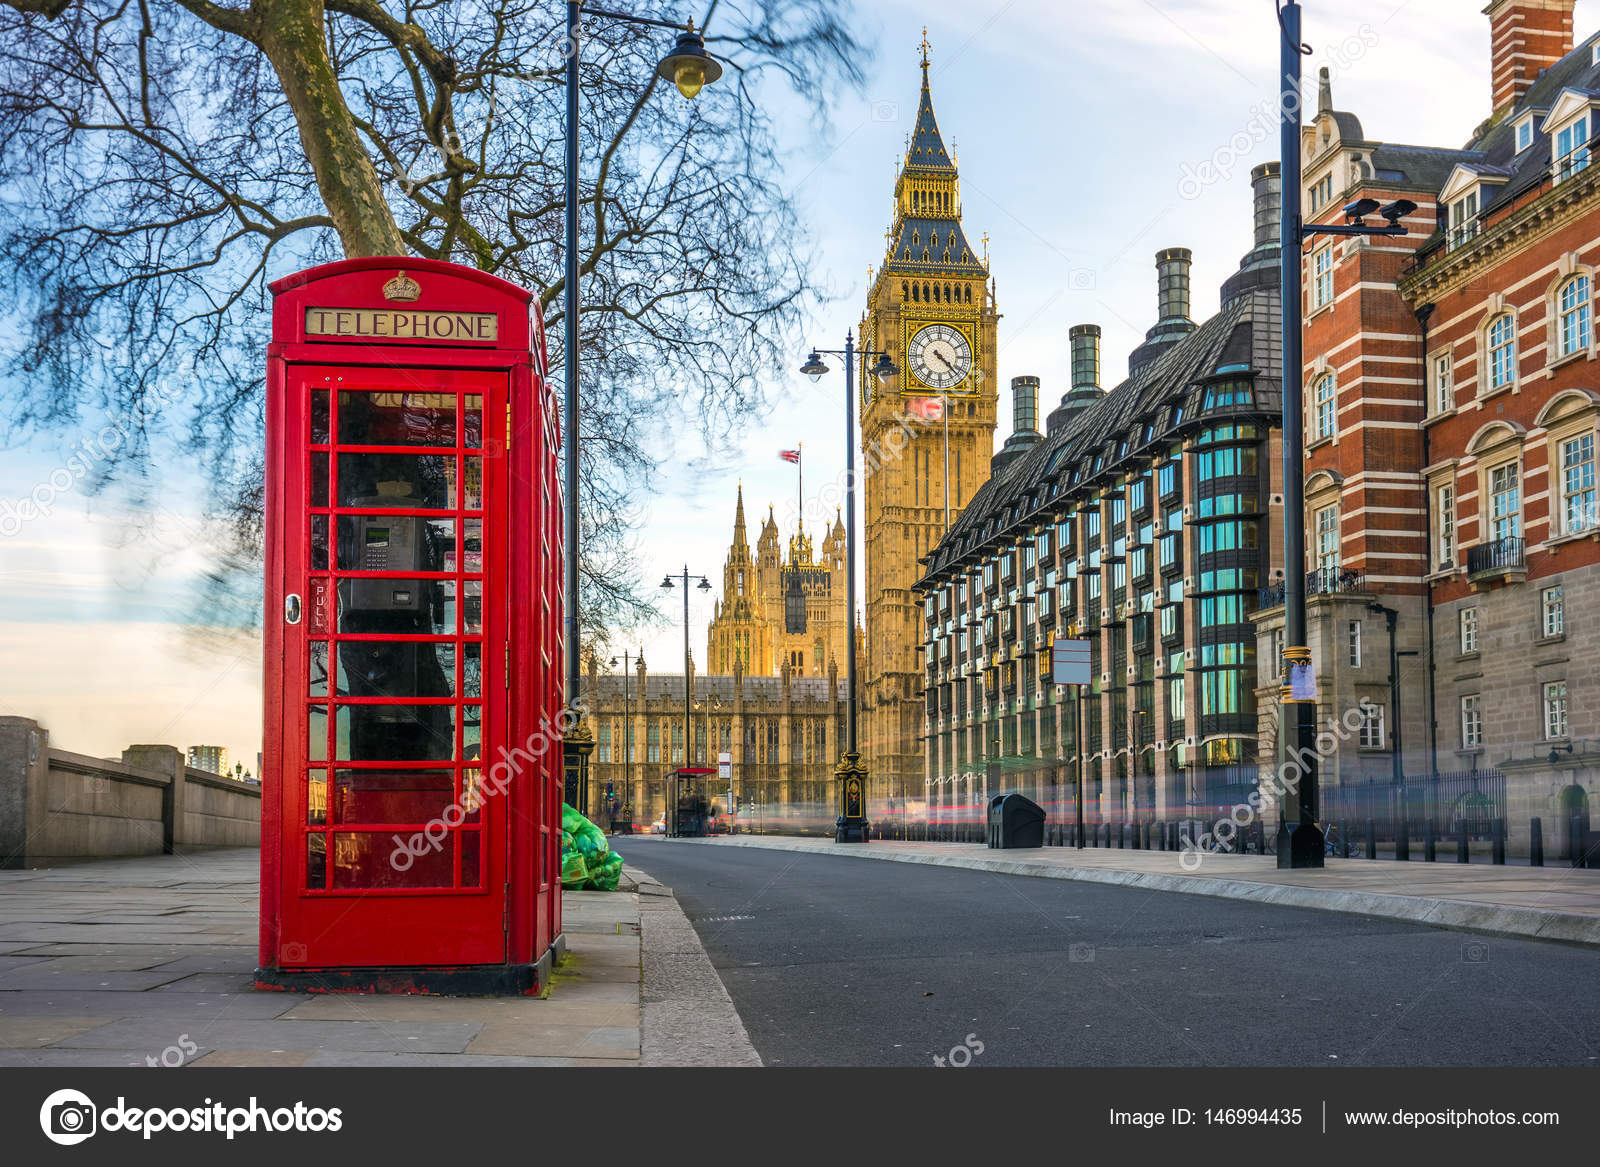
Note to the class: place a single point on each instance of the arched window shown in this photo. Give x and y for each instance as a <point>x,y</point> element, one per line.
<point>947,286</point>
<point>1324,407</point>
<point>1502,351</point>
<point>969,293</point>
<point>933,239</point>
<point>915,292</point>
<point>1572,330</point>
<point>947,256</point>
<point>905,290</point>
<point>925,294</point>
<point>916,239</point>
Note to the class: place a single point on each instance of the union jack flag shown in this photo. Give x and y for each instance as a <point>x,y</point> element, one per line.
<point>790,456</point>
<point>927,408</point>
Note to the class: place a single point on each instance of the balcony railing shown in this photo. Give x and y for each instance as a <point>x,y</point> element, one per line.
<point>1325,581</point>
<point>1504,554</point>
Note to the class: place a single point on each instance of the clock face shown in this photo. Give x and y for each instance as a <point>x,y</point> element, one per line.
<point>940,356</point>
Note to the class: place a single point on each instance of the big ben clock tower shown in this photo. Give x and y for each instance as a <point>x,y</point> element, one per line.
<point>931,307</point>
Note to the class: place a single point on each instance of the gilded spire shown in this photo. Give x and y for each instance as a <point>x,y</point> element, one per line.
<point>927,151</point>
<point>739,539</point>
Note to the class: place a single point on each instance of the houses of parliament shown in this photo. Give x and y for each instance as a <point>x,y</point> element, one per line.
<point>779,610</point>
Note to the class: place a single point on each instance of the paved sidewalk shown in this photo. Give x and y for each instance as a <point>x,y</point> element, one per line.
<point>1546,903</point>
<point>149,961</point>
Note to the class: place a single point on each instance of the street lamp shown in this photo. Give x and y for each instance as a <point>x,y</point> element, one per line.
<point>851,825</point>
<point>627,732</point>
<point>689,67</point>
<point>666,585</point>
<point>1300,842</point>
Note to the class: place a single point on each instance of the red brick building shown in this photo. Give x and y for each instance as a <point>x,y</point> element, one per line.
<point>1451,404</point>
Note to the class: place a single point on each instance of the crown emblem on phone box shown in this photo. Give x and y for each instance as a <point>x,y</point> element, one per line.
<point>402,287</point>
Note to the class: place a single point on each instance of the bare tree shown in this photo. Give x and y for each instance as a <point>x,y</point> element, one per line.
<point>168,157</point>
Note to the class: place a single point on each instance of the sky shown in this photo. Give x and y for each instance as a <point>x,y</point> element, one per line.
<point>1079,130</point>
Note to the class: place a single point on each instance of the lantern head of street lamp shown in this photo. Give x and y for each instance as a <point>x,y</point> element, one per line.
<point>689,66</point>
<point>1397,210</point>
<point>703,585</point>
<point>814,368</point>
<point>1360,209</point>
<point>666,583</point>
<point>885,370</point>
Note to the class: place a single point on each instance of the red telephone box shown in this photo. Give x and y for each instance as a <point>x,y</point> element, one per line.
<point>412,765</point>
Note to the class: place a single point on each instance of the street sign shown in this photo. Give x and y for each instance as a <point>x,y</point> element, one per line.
<point>1069,662</point>
<point>724,765</point>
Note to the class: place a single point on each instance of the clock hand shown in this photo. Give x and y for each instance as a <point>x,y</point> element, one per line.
<point>945,362</point>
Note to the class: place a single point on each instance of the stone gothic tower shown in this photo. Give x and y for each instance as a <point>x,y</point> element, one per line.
<point>778,613</point>
<point>738,635</point>
<point>932,308</point>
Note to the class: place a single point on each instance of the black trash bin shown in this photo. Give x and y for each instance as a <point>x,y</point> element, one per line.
<point>1015,821</point>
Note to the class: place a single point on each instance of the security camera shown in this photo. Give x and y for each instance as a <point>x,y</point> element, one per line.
<point>1398,210</point>
<point>1360,209</point>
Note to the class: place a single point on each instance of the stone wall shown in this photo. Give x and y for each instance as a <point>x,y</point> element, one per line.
<point>57,806</point>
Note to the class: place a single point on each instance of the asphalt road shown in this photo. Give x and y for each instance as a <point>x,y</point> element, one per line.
<point>840,962</point>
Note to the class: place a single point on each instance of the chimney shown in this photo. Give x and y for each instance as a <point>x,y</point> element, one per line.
<point>1085,389</point>
<point>1024,406</point>
<point>1085,340</point>
<point>1266,181</point>
<point>1258,270</point>
<point>1526,37</point>
<point>1024,423</point>
<point>1172,267</point>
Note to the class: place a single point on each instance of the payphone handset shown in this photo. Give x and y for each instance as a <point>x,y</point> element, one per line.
<point>387,543</point>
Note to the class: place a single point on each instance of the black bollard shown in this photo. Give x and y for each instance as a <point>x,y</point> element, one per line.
<point>1402,839</point>
<point>1536,843</point>
<point>1138,835</point>
<point>1372,839</point>
<point>1463,848</point>
<point>1430,844</point>
<point>1500,841</point>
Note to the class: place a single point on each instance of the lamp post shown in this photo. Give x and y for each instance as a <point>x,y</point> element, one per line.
<point>690,68</point>
<point>627,731</point>
<point>851,826</point>
<point>1299,840</point>
<point>666,585</point>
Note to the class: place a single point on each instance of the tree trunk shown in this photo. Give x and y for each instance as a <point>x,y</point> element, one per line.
<point>292,37</point>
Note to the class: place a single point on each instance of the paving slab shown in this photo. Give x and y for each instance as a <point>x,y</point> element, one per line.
<point>116,962</point>
<point>32,1032</point>
<point>341,1036</point>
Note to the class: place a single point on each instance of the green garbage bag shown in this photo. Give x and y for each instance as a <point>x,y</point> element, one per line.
<point>571,820</point>
<point>574,871</point>
<point>604,877</point>
<point>587,861</point>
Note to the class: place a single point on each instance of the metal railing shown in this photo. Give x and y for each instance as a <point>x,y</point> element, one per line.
<point>1470,799</point>
<point>1324,581</point>
<point>1497,555</point>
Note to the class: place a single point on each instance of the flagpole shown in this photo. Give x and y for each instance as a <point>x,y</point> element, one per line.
<point>800,498</point>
